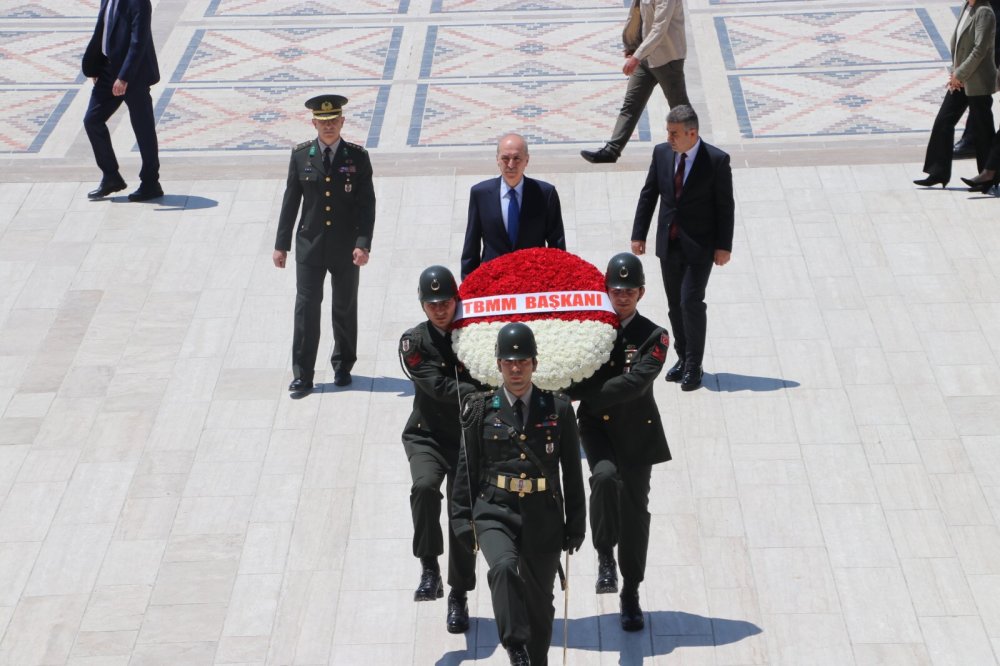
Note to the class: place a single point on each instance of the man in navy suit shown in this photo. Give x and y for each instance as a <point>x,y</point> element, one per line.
<point>501,222</point>
<point>121,61</point>
<point>693,183</point>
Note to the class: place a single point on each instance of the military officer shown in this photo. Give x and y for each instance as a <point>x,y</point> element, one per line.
<point>432,438</point>
<point>623,438</point>
<point>332,181</point>
<point>509,497</point>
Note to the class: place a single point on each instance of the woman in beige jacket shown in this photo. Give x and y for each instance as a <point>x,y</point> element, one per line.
<point>971,82</point>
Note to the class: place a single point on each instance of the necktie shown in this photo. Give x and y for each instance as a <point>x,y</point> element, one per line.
<point>327,160</point>
<point>678,186</point>
<point>513,217</point>
<point>519,410</point>
<point>108,17</point>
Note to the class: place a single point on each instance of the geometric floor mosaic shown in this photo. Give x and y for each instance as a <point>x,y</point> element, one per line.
<point>232,8</point>
<point>870,72</point>
<point>41,57</point>
<point>49,9</point>
<point>258,117</point>
<point>29,116</point>
<point>837,102</point>
<point>290,54</point>
<point>462,114</point>
<point>449,6</point>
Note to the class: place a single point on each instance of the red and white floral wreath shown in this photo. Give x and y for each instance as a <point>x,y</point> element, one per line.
<point>559,295</point>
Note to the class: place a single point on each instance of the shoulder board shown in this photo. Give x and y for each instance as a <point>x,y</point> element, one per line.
<point>301,146</point>
<point>355,146</point>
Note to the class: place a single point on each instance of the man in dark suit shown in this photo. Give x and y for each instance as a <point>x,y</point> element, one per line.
<point>121,60</point>
<point>517,440</point>
<point>332,180</point>
<point>623,436</point>
<point>432,439</point>
<point>501,222</point>
<point>693,183</point>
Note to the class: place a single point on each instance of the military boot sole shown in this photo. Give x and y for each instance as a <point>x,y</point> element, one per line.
<point>606,586</point>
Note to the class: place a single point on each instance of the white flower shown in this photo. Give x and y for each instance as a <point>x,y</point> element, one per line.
<point>568,351</point>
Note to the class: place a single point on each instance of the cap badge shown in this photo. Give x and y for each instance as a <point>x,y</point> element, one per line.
<point>326,106</point>
<point>623,272</point>
<point>435,285</point>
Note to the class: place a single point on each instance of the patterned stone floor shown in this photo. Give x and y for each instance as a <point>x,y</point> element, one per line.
<point>835,490</point>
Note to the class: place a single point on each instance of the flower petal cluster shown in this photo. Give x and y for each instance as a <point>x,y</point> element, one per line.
<point>571,345</point>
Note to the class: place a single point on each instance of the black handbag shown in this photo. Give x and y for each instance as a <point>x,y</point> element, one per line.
<point>632,33</point>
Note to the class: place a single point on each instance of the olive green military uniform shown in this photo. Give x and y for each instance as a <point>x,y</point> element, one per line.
<point>623,437</point>
<point>521,533</point>
<point>432,439</point>
<point>338,215</point>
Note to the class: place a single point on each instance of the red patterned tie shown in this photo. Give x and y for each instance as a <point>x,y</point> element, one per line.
<point>678,186</point>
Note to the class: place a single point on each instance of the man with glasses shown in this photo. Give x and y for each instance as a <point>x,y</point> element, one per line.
<point>511,212</point>
<point>331,180</point>
<point>623,436</point>
<point>509,499</point>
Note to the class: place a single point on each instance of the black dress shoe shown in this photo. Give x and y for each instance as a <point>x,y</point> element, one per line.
<point>458,613</point>
<point>931,181</point>
<point>607,573</point>
<point>602,156</point>
<point>675,373</point>
<point>964,149</point>
<point>692,379</point>
<point>518,655</point>
<point>632,618</point>
<point>107,187</point>
<point>146,193</point>
<point>300,385</point>
<point>430,587</point>
<point>342,377</point>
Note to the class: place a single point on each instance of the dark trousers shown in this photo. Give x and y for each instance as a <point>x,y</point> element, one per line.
<point>642,81</point>
<point>993,160</point>
<point>428,471</point>
<point>940,146</point>
<point>685,285</point>
<point>308,311</point>
<point>521,588</point>
<point>619,513</point>
<point>103,104</point>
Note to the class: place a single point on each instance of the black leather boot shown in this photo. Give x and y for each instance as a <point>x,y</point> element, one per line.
<point>458,612</point>
<point>632,618</point>
<point>607,572</point>
<point>430,587</point>
<point>518,655</point>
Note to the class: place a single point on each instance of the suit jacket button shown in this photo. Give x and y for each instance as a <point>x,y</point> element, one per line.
<point>649,420</point>
<point>524,437</point>
<point>523,456</point>
<point>523,475</point>
<point>520,494</point>
<point>328,209</point>
<point>327,193</point>
<point>607,418</point>
<point>328,179</point>
<point>328,223</point>
<point>611,363</point>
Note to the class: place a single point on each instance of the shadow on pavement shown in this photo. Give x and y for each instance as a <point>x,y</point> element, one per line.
<point>730,383</point>
<point>665,631</point>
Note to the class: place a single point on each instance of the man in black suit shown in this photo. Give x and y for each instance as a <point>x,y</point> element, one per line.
<point>693,182</point>
<point>332,181</point>
<point>623,436</point>
<point>501,222</point>
<point>121,60</point>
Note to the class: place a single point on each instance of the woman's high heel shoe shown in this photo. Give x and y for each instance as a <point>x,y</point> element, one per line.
<point>982,185</point>
<point>931,181</point>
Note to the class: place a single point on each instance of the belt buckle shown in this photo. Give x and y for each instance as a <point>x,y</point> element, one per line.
<point>520,485</point>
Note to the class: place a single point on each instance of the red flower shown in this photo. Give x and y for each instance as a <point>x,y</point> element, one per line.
<point>537,269</point>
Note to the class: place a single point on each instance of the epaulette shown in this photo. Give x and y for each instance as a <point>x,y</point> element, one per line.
<point>355,146</point>
<point>304,144</point>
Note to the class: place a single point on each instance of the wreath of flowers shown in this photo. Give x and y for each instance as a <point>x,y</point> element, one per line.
<point>571,345</point>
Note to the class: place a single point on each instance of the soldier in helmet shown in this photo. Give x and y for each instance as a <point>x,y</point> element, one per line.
<point>623,437</point>
<point>331,180</point>
<point>508,495</point>
<point>432,439</point>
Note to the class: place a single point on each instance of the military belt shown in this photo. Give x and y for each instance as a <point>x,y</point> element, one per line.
<point>516,485</point>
